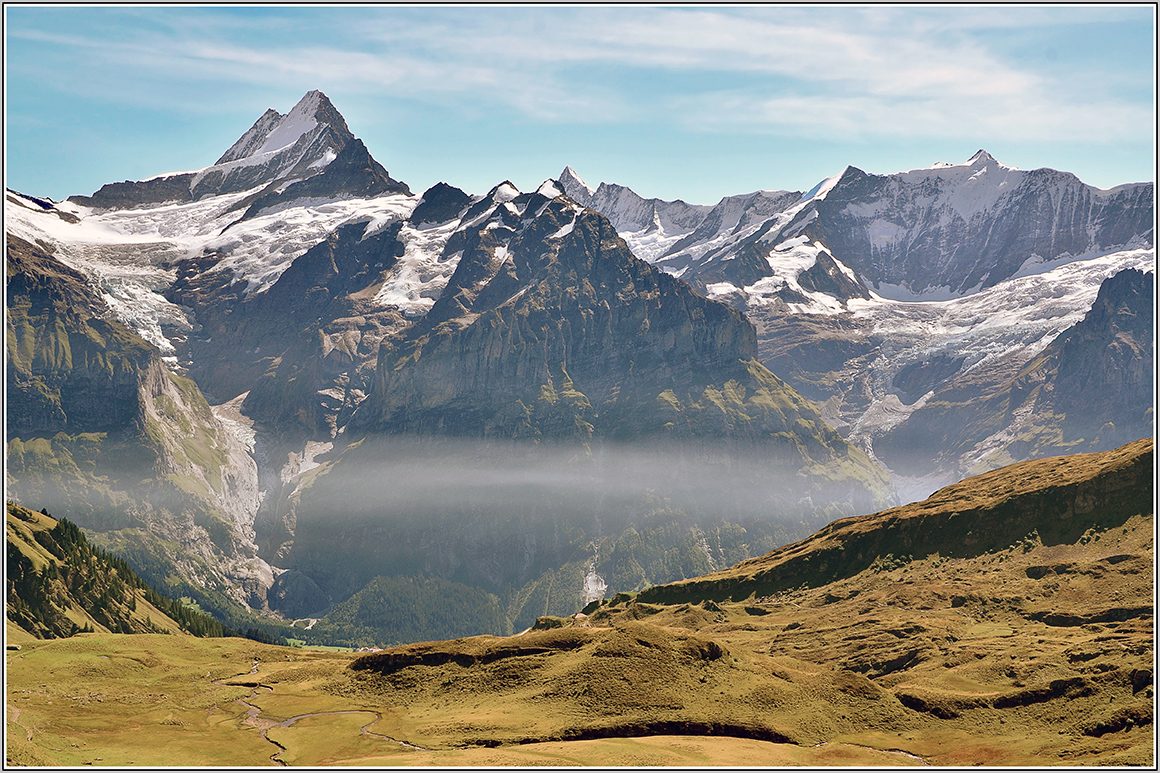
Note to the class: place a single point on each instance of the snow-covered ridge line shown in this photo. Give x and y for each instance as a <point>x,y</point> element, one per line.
<point>129,254</point>
<point>165,175</point>
<point>926,234</point>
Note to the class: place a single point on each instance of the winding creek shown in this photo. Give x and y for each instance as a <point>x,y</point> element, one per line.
<point>255,719</point>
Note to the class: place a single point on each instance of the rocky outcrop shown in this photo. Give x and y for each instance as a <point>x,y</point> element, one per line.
<point>439,204</point>
<point>825,276</point>
<point>295,595</point>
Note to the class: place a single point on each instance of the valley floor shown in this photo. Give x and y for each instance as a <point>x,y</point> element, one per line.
<point>1029,656</point>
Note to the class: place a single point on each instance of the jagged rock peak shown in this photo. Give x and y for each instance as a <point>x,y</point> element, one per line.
<point>439,204</point>
<point>574,185</point>
<point>274,131</point>
<point>307,153</point>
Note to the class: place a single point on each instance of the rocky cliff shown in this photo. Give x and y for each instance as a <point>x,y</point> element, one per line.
<point>99,428</point>
<point>69,369</point>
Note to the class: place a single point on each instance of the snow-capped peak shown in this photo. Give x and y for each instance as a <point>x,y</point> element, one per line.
<point>820,190</point>
<point>549,189</point>
<point>569,175</point>
<point>504,192</point>
<point>578,190</point>
<point>274,131</point>
<point>980,158</point>
<point>297,122</point>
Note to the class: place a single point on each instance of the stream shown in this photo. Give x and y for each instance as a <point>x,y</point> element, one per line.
<point>254,717</point>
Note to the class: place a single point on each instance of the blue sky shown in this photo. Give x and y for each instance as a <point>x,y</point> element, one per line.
<point>678,102</point>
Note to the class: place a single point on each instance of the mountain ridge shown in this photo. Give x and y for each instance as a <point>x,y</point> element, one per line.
<point>58,585</point>
<point>955,231</point>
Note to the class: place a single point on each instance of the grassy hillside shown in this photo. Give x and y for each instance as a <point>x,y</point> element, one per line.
<point>59,585</point>
<point>1052,501</point>
<point>1025,649</point>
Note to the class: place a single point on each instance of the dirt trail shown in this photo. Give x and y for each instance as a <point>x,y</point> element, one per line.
<point>902,752</point>
<point>16,721</point>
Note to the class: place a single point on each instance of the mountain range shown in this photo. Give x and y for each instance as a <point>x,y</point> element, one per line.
<point>873,295</point>
<point>287,380</point>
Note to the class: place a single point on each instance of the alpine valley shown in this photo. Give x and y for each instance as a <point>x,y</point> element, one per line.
<point>295,391</point>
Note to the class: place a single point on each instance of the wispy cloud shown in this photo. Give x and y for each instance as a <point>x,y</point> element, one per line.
<point>685,77</point>
<point>847,72</point>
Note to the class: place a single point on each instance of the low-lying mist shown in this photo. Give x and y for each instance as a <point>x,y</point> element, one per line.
<point>378,478</point>
<point>499,514</point>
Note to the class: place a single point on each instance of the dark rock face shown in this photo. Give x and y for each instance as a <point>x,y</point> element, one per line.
<point>520,314</point>
<point>323,161</point>
<point>921,232</point>
<point>1105,370</point>
<point>133,193</point>
<point>825,277</point>
<point>313,319</point>
<point>68,369</point>
<point>918,378</point>
<point>296,595</point>
<point>441,203</point>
